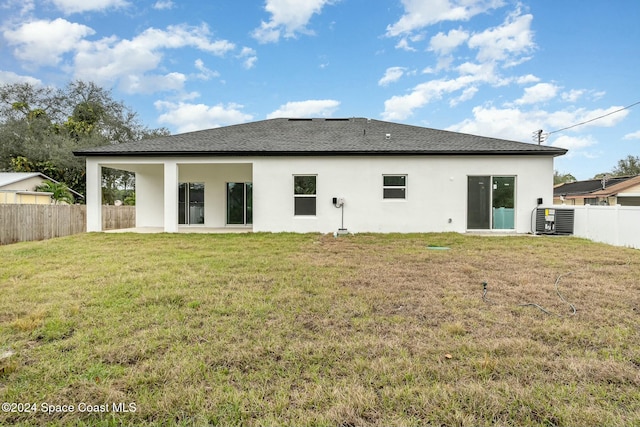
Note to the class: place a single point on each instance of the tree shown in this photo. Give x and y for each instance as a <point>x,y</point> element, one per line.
<point>41,126</point>
<point>560,178</point>
<point>628,166</point>
<point>60,191</point>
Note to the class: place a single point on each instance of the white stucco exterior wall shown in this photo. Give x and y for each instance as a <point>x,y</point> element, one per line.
<point>94,195</point>
<point>436,190</point>
<point>150,195</point>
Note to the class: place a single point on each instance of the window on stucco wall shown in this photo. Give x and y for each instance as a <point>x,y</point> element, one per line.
<point>394,186</point>
<point>304,195</point>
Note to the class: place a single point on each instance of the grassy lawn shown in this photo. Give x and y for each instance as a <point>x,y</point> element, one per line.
<point>290,329</point>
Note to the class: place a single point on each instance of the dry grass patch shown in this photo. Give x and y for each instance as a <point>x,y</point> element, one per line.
<point>291,329</point>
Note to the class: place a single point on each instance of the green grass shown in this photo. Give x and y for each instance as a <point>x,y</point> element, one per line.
<point>290,329</point>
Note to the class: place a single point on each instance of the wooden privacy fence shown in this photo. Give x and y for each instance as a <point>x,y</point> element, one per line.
<point>22,223</point>
<point>117,217</point>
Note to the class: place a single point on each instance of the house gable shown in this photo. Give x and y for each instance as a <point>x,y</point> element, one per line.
<point>21,181</point>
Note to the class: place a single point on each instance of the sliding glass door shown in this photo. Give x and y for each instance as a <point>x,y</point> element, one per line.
<point>239,203</point>
<point>478,202</point>
<point>503,202</point>
<point>491,202</point>
<point>191,203</point>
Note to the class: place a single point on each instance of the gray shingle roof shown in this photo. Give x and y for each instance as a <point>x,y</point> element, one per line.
<point>352,136</point>
<point>581,188</point>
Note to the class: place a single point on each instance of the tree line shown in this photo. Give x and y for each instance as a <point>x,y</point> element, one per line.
<point>41,126</point>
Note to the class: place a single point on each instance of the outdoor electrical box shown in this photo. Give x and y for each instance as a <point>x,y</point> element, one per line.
<point>338,202</point>
<point>554,221</point>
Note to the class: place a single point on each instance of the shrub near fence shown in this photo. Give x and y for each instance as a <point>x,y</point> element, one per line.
<point>22,223</point>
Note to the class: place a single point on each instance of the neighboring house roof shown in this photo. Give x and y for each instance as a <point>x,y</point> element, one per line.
<point>354,136</point>
<point>593,187</point>
<point>619,187</point>
<point>8,178</point>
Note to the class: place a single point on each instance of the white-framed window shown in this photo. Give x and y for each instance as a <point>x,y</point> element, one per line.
<point>394,186</point>
<point>304,195</point>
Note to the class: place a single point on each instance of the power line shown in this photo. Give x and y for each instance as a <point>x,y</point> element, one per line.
<point>594,119</point>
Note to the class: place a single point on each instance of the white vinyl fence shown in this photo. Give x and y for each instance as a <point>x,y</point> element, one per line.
<point>615,225</point>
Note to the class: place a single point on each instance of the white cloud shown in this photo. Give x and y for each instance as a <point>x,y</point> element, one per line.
<point>467,94</point>
<point>75,6</point>
<point>249,56</point>
<point>529,78</point>
<point>498,47</point>
<point>519,125</point>
<point>392,74</point>
<point>422,13</point>
<point>539,93</point>
<point>443,44</point>
<point>507,123</point>
<point>404,45</point>
<point>404,42</point>
<point>310,108</point>
<point>506,42</point>
<point>288,17</point>
<point>24,7</point>
<point>44,42</point>
<point>572,143</point>
<point>573,95</point>
<point>583,118</point>
<point>632,135</point>
<point>401,107</point>
<point>9,77</point>
<point>485,73</point>
<point>109,60</point>
<point>164,5</point>
<point>205,73</point>
<point>186,117</point>
<point>148,84</point>
<point>179,36</point>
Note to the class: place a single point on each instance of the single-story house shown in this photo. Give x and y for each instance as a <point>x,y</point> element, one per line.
<point>20,188</point>
<point>617,190</point>
<point>322,175</point>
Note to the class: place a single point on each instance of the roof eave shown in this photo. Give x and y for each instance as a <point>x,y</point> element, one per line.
<point>317,153</point>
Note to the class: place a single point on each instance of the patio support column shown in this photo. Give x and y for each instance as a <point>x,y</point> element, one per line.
<point>170,196</point>
<point>94,195</point>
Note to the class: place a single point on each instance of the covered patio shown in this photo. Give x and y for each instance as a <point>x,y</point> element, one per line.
<point>180,195</point>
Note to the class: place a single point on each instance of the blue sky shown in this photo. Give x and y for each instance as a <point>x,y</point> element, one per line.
<point>499,68</point>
